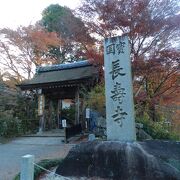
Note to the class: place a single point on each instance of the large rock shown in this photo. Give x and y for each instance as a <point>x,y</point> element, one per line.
<point>123,161</point>
<point>100,129</point>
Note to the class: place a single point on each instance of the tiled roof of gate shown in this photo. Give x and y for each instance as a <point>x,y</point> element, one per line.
<point>62,73</point>
<point>58,67</point>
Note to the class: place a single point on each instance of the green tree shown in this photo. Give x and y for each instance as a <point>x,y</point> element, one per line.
<point>71,30</point>
<point>51,17</point>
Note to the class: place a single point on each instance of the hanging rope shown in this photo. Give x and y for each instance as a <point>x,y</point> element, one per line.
<point>52,173</point>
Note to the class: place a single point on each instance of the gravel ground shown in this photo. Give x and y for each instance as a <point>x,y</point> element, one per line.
<point>41,147</point>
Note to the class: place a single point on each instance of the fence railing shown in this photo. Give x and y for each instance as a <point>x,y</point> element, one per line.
<point>27,170</point>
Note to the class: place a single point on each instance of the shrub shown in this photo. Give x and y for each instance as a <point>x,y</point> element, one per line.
<point>69,114</point>
<point>10,126</point>
<point>18,119</point>
<point>157,129</point>
<point>96,99</point>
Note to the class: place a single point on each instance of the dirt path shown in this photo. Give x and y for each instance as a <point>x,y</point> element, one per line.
<point>41,147</point>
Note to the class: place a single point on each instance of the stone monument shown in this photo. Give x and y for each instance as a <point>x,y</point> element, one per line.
<point>118,86</point>
<point>119,158</point>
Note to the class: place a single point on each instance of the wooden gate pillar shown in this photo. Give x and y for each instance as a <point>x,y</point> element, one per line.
<point>41,106</point>
<point>59,113</point>
<point>77,103</point>
<point>50,121</point>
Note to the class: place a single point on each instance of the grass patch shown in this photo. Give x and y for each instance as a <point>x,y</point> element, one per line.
<point>46,163</point>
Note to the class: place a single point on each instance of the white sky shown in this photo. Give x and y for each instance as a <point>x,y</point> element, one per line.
<point>14,13</point>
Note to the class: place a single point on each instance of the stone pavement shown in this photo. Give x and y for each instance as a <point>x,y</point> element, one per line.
<point>41,147</point>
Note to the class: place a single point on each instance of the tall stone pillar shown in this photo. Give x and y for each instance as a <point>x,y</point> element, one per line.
<point>118,86</point>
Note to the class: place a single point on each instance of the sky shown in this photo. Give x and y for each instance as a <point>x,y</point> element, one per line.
<point>14,13</point>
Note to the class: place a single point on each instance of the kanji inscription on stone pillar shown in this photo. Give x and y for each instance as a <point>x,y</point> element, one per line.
<point>118,86</point>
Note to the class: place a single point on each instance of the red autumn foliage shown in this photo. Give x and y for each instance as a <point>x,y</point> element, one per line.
<point>25,48</point>
<point>153,27</point>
